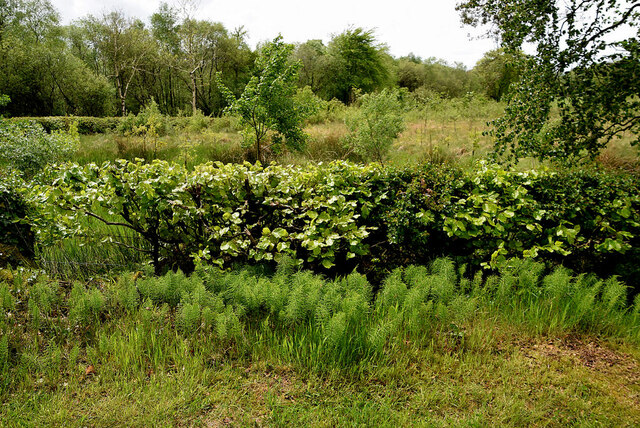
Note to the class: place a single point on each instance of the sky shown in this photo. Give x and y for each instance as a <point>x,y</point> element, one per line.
<point>426,28</point>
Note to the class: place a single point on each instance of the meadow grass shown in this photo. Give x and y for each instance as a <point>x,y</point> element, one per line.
<point>432,346</point>
<point>450,131</point>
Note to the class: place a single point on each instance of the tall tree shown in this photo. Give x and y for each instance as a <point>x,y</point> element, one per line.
<point>587,63</point>
<point>357,62</point>
<point>496,71</point>
<point>38,69</point>
<point>123,45</point>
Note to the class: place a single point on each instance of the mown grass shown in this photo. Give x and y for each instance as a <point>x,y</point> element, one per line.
<point>432,346</point>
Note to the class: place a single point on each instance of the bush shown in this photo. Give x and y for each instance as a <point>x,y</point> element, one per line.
<point>85,124</point>
<point>149,122</point>
<point>27,147</point>
<point>16,238</point>
<point>375,125</point>
<point>337,216</point>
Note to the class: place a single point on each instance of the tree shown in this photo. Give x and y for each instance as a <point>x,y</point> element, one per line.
<point>587,63</point>
<point>312,55</point>
<point>375,125</point>
<point>38,70</point>
<point>497,71</point>
<point>267,104</point>
<point>123,45</point>
<point>356,62</point>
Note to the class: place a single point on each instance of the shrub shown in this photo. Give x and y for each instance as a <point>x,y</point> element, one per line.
<point>16,237</point>
<point>27,147</point>
<point>375,125</point>
<point>337,216</point>
<point>85,124</point>
<point>149,122</point>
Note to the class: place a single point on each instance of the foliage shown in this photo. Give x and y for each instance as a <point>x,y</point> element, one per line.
<point>37,70</point>
<point>335,217</point>
<point>27,148</point>
<point>497,71</point>
<point>585,65</point>
<point>375,125</point>
<point>267,104</point>
<point>313,106</point>
<point>218,212</point>
<point>4,100</point>
<point>433,75</point>
<point>148,122</point>
<point>356,62</point>
<point>315,324</point>
<point>86,124</point>
<point>16,238</point>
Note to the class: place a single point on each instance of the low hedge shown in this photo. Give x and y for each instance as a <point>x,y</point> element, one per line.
<point>337,216</point>
<point>86,124</point>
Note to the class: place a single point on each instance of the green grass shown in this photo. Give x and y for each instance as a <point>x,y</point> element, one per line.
<point>99,250</point>
<point>449,131</point>
<point>431,347</point>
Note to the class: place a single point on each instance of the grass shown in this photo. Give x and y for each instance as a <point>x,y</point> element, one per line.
<point>99,250</point>
<point>452,131</point>
<point>431,347</point>
<point>520,386</point>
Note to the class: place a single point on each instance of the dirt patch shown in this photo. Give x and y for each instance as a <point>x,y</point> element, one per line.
<point>589,353</point>
<point>262,384</point>
<point>277,381</point>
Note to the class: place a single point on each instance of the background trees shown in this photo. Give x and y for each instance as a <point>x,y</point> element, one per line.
<point>587,64</point>
<point>116,64</point>
<point>356,62</point>
<point>38,72</point>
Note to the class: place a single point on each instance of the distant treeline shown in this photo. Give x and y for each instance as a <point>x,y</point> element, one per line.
<point>114,64</point>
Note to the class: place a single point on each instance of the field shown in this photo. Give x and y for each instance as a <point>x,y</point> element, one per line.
<point>273,326</point>
<point>452,133</point>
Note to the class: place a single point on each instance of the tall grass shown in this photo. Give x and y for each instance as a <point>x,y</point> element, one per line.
<point>134,324</point>
<point>100,250</point>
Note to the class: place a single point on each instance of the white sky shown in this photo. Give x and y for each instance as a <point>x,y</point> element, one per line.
<point>428,28</point>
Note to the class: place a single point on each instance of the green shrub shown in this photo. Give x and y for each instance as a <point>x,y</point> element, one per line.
<point>26,147</point>
<point>375,125</point>
<point>85,124</point>
<point>85,305</point>
<point>149,122</point>
<point>336,216</point>
<point>16,237</point>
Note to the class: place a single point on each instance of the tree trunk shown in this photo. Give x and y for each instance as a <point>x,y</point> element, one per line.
<point>193,92</point>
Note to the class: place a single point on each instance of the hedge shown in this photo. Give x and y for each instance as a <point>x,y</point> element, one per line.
<point>16,238</point>
<point>337,216</point>
<point>86,124</point>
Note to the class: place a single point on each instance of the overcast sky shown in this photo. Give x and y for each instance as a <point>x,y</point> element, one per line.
<point>427,28</point>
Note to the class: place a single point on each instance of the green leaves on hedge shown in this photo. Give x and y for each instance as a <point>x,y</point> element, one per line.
<point>341,214</point>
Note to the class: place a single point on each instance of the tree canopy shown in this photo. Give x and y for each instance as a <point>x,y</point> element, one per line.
<point>580,90</point>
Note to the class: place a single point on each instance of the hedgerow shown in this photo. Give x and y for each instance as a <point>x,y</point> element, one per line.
<point>338,216</point>
<point>16,237</point>
<point>85,124</point>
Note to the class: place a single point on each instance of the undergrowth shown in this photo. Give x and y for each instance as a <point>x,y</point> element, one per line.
<point>136,323</point>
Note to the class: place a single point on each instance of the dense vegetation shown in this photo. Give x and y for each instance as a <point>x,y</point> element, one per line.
<point>113,64</point>
<point>193,232</point>
<point>147,330</point>
<point>339,215</point>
